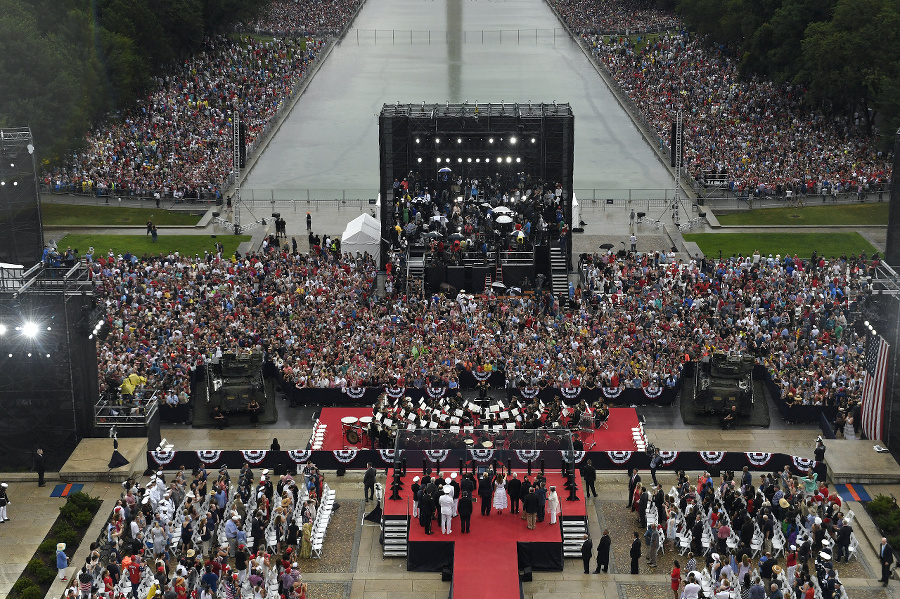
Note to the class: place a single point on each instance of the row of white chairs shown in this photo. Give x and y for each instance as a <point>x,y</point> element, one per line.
<point>318,436</point>
<point>323,517</point>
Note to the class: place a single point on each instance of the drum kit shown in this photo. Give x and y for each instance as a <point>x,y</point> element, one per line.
<point>355,428</point>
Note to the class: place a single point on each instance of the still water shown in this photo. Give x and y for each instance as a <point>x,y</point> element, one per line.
<point>410,51</point>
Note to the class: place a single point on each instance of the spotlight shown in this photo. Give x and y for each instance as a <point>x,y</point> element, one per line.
<point>420,160</point>
<point>508,159</point>
<point>439,160</point>
<point>90,336</point>
<point>2,329</point>
<point>447,160</point>
<point>499,159</point>
<point>459,140</point>
<point>468,160</point>
<point>518,160</point>
<point>49,329</point>
<point>478,160</point>
<point>417,140</point>
<point>10,355</point>
<point>437,140</point>
<point>866,323</point>
<point>459,159</point>
<point>490,140</point>
<point>30,329</point>
<point>48,355</point>
<point>533,140</point>
<point>512,140</point>
<point>29,354</point>
<point>874,332</point>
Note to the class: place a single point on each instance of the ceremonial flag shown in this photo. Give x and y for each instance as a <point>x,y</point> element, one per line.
<point>874,387</point>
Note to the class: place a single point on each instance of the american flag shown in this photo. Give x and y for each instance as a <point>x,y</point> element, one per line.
<point>874,386</point>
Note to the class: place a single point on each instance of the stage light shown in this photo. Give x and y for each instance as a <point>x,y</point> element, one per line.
<point>29,354</point>
<point>468,160</point>
<point>459,159</point>
<point>48,355</point>
<point>478,160</point>
<point>15,183</point>
<point>518,160</point>
<point>459,140</point>
<point>439,160</point>
<point>508,159</point>
<point>447,160</point>
<point>490,140</point>
<point>29,329</point>
<point>499,159</point>
<point>437,140</point>
<point>417,140</point>
<point>866,323</point>
<point>2,329</point>
<point>10,355</point>
<point>874,332</point>
<point>512,140</point>
<point>420,160</point>
<point>533,140</point>
<point>90,336</point>
<point>49,329</point>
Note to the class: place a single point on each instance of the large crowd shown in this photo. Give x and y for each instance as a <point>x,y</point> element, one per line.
<point>309,17</point>
<point>634,323</point>
<point>615,16</point>
<point>758,134</point>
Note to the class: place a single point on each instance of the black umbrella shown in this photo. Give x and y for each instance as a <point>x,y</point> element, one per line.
<point>457,237</point>
<point>606,246</point>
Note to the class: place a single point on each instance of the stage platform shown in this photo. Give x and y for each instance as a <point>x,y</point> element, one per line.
<point>615,436</point>
<point>90,459</point>
<point>857,462</point>
<point>499,543</point>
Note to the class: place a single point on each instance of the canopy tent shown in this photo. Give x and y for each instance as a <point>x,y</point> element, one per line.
<point>576,211</point>
<point>363,234</point>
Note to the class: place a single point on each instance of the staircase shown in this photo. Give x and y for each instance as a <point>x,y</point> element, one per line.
<point>396,535</point>
<point>573,530</point>
<point>559,273</point>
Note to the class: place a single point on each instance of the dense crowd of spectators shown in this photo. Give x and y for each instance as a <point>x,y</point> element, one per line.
<point>615,16</point>
<point>633,324</point>
<point>305,17</point>
<point>204,536</point>
<point>759,134</point>
<point>179,138</point>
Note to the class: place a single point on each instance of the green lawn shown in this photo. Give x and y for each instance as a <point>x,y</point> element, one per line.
<point>114,216</point>
<point>142,244</point>
<point>802,244</point>
<point>840,214</point>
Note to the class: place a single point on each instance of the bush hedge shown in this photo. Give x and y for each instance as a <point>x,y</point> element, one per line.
<point>886,514</point>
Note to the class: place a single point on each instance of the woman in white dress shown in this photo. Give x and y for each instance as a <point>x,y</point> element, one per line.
<point>553,504</point>
<point>500,497</point>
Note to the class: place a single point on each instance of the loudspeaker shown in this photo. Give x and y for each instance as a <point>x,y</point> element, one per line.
<point>525,574</point>
<point>341,471</point>
<point>446,573</point>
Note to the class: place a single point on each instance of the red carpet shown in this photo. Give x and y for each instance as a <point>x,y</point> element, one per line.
<point>488,553</point>
<point>334,432</point>
<point>616,437</point>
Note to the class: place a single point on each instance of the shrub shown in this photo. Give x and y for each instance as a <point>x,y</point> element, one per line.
<point>82,519</point>
<point>882,504</point>
<point>46,576</point>
<point>64,533</point>
<point>32,593</point>
<point>83,501</point>
<point>36,566</point>
<point>22,584</point>
<point>48,547</point>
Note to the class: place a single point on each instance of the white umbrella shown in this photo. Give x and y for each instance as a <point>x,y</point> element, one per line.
<point>446,169</point>
<point>504,220</point>
<point>502,210</point>
<point>486,205</point>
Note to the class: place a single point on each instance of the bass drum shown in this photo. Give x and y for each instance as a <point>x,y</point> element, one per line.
<point>352,437</point>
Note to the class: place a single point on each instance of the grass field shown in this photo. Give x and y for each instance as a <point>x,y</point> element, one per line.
<point>840,214</point>
<point>802,244</point>
<point>142,244</point>
<point>114,216</point>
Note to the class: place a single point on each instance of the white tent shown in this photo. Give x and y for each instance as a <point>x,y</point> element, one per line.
<point>576,212</point>
<point>363,234</point>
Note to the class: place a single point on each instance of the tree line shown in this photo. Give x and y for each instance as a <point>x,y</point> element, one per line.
<point>844,53</point>
<point>65,64</point>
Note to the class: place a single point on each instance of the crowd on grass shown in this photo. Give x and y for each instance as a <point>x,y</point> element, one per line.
<point>204,535</point>
<point>308,17</point>
<point>615,16</point>
<point>760,136</point>
<point>634,323</point>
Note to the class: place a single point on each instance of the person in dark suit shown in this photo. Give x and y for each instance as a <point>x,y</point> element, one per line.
<point>541,493</point>
<point>369,482</point>
<point>590,477</point>
<point>530,504</point>
<point>485,490</point>
<point>40,466</point>
<point>642,508</point>
<point>586,552</point>
<point>426,512</point>
<point>635,553</point>
<point>514,491</point>
<point>632,483</point>
<point>464,509</point>
<point>886,554</point>
<point>603,553</point>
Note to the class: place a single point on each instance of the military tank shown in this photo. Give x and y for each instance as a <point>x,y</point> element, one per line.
<point>724,380</point>
<point>236,380</point>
